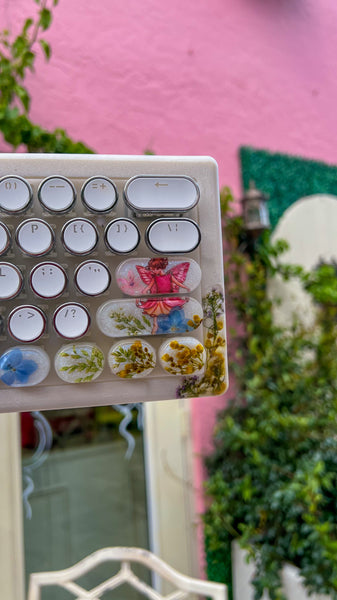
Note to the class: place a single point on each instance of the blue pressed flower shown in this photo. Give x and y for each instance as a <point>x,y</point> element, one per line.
<point>16,368</point>
<point>175,322</point>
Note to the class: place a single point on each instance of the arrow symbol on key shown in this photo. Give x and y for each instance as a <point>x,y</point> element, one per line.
<point>161,184</point>
<point>30,315</point>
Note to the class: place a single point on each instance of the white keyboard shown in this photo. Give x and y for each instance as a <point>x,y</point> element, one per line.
<point>111,280</point>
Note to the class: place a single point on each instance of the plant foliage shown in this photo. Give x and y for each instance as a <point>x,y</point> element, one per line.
<point>17,57</point>
<point>273,471</point>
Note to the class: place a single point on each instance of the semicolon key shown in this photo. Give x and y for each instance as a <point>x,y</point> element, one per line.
<point>149,316</point>
<point>163,275</point>
<point>148,194</point>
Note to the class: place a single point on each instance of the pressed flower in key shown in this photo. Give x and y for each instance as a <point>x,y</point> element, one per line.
<point>16,368</point>
<point>184,358</point>
<point>129,360</point>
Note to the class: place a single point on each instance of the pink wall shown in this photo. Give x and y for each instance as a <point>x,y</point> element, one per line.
<point>190,77</point>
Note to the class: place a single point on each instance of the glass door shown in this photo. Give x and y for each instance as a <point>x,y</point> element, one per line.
<point>84,493</point>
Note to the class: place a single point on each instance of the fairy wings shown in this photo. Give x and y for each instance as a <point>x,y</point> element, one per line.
<point>178,273</point>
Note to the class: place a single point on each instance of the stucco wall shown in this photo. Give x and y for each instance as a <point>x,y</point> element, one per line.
<point>190,77</point>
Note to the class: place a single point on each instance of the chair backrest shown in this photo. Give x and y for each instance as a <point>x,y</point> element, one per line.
<point>65,579</point>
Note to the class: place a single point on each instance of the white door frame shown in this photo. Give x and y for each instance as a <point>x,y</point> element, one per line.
<point>11,524</point>
<point>168,465</point>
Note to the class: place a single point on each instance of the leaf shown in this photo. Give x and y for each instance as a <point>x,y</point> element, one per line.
<point>28,23</point>
<point>46,48</point>
<point>45,18</point>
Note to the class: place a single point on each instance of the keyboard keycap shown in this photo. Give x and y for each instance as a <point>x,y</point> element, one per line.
<point>122,236</point>
<point>131,359</point>
<point>163,275</point>
<point>71,320</point>
<point>173,236</point>
<point>149,316</point>
<point>5,238</point>
<point>79,236</point>
<point>24,366</point>
<point>152,195</point>
<point>99,194</point>
<point>48,280</point>
<point>26,323</point>
<point>10,281</point>
<point>57,194</point>
<point>92,278</point>
<point>35,237</point>
<point>182,356</point>
<point>79,363</point>
<point>15,194</point>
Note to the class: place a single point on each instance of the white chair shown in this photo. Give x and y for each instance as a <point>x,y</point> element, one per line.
<point>65,578</point>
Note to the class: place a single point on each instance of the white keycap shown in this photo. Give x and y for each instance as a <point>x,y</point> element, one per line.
<point>35,237</point>
<point>57,194</point>
<point>71,320</point>
<point>92,278</point>
<point>48,280</point>
<point>15,194</point>
<point>151,194</point>
<point>79,236</point>
<point>122,236</point>
<point>5,238</point>
<point>173,235</point>
<point>99,194</point>
<point>10,281</point>
<point>26,323</point>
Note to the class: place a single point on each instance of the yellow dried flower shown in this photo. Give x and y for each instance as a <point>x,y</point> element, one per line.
<point>199,348</point>
<point>166,357</point>
<point>174,345</point>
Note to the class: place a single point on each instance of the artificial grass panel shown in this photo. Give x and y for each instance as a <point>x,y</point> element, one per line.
<point>285,178</point>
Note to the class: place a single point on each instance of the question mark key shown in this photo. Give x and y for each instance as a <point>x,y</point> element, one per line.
<point>71,320</point>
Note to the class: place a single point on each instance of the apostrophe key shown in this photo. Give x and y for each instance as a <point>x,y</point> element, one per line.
<point>111,280</point>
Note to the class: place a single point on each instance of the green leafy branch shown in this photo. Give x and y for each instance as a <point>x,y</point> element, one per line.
<point>85,362</point>
<point>17,57</point>
<point>273,470</point>
<point>129,323</point>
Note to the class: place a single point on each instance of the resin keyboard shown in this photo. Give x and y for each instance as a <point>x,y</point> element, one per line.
<point>111,280</point>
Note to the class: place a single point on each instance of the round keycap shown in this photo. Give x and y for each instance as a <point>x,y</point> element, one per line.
<point>24,366</point>
<point>35,237</point>
<point>26,323</point>
<point>173,236</point>
<point>79,362</point>
<point>79,236</point>
<point>10,281</point>
<point>48,280</point>
<point>71,320</point>
<point>122,236</point>
<point>92,278</point>
<point>99,194</point>
<point>5,238</point>
<point>57,194</point>
<point>15,194</point>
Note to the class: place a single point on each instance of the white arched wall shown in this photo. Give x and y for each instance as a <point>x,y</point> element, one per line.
<point>310,228</point>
